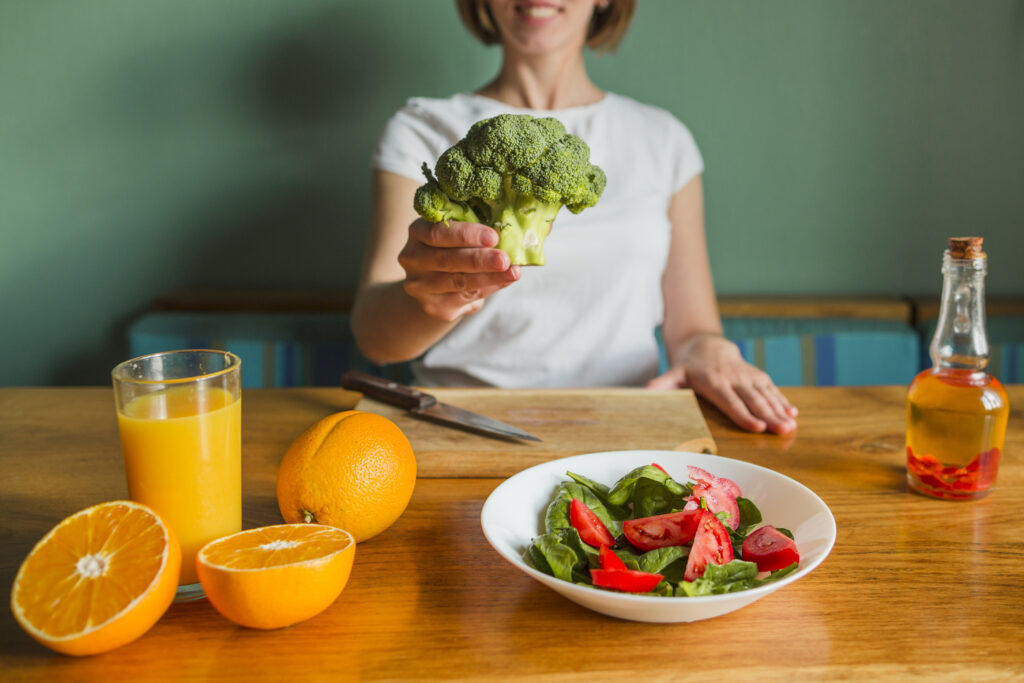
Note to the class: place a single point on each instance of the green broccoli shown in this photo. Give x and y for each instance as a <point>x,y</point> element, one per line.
<point>512,172</point>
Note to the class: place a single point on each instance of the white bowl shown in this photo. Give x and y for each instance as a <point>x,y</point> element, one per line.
<point>513,516</point>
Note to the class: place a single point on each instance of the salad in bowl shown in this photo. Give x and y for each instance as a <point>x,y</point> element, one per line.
<point>658,535</point>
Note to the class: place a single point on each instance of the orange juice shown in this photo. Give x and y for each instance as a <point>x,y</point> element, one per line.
<point>182,456</point>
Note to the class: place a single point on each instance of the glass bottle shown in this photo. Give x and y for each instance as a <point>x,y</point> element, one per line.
<point>957,412</point>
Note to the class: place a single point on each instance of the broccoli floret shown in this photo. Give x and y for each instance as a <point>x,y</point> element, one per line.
<point>432,203</point>
<point>514,173</point>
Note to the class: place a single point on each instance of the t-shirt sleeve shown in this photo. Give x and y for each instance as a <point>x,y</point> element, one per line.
<point>411,137</point>
<point>687,161</point>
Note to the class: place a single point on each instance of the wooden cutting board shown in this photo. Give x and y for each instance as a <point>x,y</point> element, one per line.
<point>569,422</point>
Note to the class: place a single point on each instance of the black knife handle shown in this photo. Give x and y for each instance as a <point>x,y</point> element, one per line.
<point>385,390</point>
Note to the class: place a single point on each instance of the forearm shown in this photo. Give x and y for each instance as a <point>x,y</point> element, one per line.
<point>691,310</point>
<point>390,326</point>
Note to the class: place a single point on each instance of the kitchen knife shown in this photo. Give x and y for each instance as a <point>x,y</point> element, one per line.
<point>426,406</point>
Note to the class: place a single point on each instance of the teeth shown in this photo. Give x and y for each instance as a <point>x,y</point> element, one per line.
<point>539,12</point>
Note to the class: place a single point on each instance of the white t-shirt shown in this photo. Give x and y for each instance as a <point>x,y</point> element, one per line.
<point>587,317</point>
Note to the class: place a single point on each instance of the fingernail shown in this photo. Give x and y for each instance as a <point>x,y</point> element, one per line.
<point>514,272</point>
<point>488,238</point>
<point>499,261</point>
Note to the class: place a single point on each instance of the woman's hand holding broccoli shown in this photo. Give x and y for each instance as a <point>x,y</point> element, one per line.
<point>489,209</point>
<point>514,173</point>
<point>450,270</point>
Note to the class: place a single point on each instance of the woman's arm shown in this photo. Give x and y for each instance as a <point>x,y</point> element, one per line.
<point>699,356</point>
<point>419,279</point>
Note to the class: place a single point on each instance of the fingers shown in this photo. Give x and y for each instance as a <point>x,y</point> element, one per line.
<point>451,269</point>
<point>748,397</point>
<point>782,404</point>
<point>459,247</point>
<point>767,404</point>
<point>454,234</point>
<point>729,402</point>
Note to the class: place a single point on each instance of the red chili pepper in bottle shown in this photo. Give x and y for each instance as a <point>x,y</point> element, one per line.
<point>957,412</point>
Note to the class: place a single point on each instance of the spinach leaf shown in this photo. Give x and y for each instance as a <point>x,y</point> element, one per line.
<point>551,556</point>
<point>729,578</point>
<point>557,515</point>
<point>601,491</point>
<point>778,574</point>
<point>571,538</point>
<point>650,491</point>
<point>734,576</point>
<point>731,572</point>
<point>654,561</point>
<point>750,516</point>
<point>736,540</point>
<point>653,498</point>
<point>676,571</point>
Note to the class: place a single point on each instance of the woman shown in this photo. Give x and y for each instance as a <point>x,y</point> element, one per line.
<point>613,273</point>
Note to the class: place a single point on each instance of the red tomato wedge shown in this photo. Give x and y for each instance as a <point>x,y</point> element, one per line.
<point>609,560</point>
<point>711,544</point>
<point>627,580</point>
<point>702,476</point>
<point>719,494</point>
<point>769,549</point>
<point>659,531</point>
<point>592,530</point>
<point>717,500</point>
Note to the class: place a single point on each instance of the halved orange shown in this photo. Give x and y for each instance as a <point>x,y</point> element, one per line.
<point>275,576</point>
<point>99,579</point>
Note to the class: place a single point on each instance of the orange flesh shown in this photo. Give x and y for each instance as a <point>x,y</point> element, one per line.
<point>274,546</point>
<point>88,570</point>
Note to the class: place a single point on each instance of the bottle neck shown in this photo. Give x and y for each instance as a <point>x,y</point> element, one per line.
<point>960,340</point>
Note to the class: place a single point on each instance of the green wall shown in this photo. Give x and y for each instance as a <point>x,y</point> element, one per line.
<point>159,144</point>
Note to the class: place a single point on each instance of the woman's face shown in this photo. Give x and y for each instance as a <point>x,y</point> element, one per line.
<point>537,27</point>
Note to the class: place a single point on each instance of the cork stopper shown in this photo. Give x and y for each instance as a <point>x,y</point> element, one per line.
<point>966,247</point>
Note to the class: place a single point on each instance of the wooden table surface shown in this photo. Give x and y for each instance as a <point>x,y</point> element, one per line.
<point>913,588</point>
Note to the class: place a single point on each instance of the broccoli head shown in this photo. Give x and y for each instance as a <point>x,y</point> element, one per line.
<point>514,173</point>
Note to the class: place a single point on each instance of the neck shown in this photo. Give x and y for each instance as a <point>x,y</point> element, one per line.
<point>546,82</point>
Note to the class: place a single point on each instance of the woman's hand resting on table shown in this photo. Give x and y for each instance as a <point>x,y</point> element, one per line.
<point>450,269</point>
<point>713,367</point>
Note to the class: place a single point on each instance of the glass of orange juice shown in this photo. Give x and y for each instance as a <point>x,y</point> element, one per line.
<point>180,415</point>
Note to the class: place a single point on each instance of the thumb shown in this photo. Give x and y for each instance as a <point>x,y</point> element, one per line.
<point>673,379</point>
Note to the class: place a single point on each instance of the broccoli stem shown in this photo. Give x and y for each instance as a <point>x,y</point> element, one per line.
<point>523,223</point>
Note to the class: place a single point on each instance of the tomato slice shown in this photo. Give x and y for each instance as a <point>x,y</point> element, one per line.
<point>769,549</point>
<point>702,476</point>
<point>592,530</point>
<point>659,531</point>
<point>609,560</point>
<point>711,544</point>
<point>627,580</point>
<point>717,499</point>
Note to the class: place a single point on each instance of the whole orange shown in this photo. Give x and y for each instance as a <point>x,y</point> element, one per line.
<point>353,470</point>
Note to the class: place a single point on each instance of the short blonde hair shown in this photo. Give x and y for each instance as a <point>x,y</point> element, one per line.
<point>607,27</point>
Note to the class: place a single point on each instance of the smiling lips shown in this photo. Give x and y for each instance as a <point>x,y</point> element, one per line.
<point>537,11</point>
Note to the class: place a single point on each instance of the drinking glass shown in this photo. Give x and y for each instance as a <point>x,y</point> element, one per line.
<point>179,415</point>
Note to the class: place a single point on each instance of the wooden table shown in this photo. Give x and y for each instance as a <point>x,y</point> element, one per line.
<point>913,588</point>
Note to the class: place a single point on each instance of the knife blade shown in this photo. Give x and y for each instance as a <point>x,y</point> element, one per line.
<point>426,406</point>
